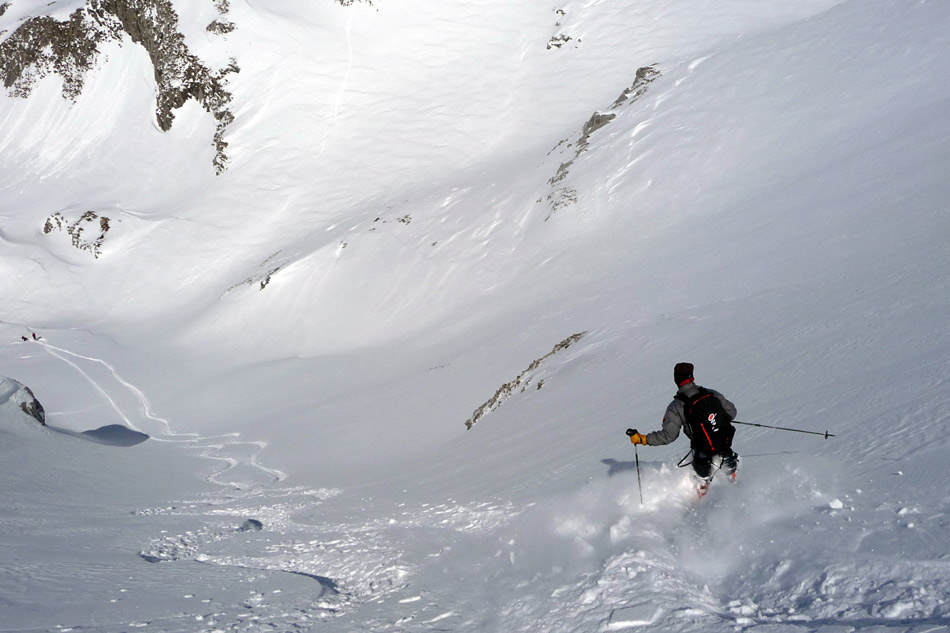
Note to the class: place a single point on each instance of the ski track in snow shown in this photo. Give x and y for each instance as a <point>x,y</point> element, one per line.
<point>242,469</point>
<point>596,559</point>
<point>356,563</point>
<point>777,554</point>
<point>341,91</point>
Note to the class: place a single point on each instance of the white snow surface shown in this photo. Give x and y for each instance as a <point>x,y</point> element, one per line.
<point>407,222</point>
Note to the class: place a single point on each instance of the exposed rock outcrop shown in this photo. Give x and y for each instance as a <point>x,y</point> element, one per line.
<point>558,41</point>
<point>644,77</point>
<point>220,27</point>
<point>17,396</point>
<point>564,196</point>
<point>43,45</point>
<point>89,223</point>
<point>521,383</point>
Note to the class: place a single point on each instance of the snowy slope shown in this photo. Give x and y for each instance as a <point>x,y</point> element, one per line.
<point>413,213</point>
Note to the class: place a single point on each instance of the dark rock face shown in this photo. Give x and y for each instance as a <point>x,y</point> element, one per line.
<point>89,222</point>
<point>644,77</point>
<point>33,408</point>
<point>565,196</point>
<point>18,394</point>
<point>179,74</point>
<point>44,45</point>
<point>521,382</point>
<point>220,27</point>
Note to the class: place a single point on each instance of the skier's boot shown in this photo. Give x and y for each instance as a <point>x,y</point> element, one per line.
<point>702,488</point>
<point>702,484</point>
<point>730,465</point>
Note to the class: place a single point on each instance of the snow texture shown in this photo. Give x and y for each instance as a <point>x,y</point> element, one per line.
<point>256,382</point>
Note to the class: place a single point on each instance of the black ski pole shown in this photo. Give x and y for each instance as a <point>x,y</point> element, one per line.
<point>636,456</point>
<point>826,434</point>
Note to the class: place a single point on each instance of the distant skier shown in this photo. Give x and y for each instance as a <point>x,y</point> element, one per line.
<point>24,338</point>
<point>706,417</point>
<point>35,337</point>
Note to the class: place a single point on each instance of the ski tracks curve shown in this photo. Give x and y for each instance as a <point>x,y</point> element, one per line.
<point>241,468</point>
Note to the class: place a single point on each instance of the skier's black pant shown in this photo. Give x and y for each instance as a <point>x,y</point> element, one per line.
<point>703,463</point>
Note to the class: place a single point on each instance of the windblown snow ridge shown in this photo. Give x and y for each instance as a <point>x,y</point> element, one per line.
<point>43,45</point>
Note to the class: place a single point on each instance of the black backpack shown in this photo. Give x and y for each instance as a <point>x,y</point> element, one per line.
<point>710,427</point>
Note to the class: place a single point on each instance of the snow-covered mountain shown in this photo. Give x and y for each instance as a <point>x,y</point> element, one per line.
<point>384,283</point>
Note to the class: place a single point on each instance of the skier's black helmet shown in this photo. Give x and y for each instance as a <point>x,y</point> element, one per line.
<point>682,373</point>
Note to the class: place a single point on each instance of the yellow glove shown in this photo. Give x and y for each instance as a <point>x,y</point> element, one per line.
<point>636,438</point>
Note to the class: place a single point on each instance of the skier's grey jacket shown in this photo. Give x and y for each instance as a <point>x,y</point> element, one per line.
<point>675,418</point>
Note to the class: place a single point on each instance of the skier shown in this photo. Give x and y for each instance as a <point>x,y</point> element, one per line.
<point>706,417</point>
